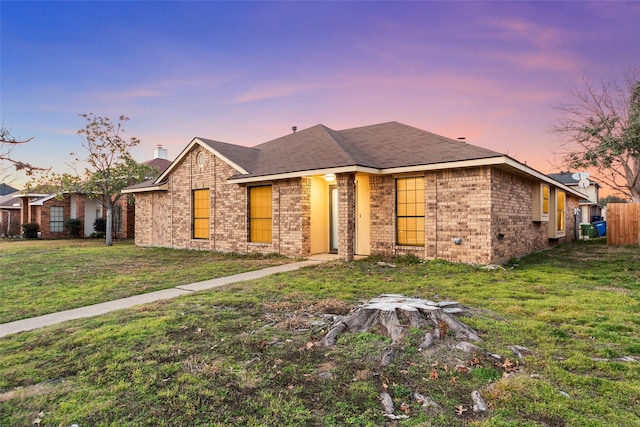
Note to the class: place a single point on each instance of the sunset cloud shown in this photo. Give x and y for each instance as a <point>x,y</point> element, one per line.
<point>245,72</point>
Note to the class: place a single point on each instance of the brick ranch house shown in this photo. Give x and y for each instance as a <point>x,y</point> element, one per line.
<point>387,189</point>
<point>50,212</point>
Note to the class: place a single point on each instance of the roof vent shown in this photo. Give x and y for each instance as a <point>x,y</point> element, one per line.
<point>294,128</point>
<point>462,138</point>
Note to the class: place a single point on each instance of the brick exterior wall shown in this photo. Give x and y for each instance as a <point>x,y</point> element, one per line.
<point>488,209</point>
<point>463,211</point>
<point>128,211</point>
<point>382,215</point>
<point>44,219</point>
<point>346,215</point>
<point>292,219</point>
<point>514,233</point>
<point>165,218</point>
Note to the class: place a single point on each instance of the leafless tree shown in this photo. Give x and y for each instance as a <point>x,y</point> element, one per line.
<point>602,131</point>
<point>7,143</point>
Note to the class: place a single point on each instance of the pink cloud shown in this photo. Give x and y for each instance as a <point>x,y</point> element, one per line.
<point>271,90</point>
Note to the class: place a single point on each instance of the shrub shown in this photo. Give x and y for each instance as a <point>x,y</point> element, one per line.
<point>100,225</point>
<point>30,230</point>
<point>73,226</point>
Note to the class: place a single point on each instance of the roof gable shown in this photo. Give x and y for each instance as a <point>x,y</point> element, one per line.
<point>238,157</point>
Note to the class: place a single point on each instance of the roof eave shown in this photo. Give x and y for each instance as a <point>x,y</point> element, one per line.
<point>502,160</point>
<point>299,174</point>
<point>158,187</point>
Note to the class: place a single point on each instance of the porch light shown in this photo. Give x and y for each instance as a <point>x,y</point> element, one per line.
<point>330,177</point>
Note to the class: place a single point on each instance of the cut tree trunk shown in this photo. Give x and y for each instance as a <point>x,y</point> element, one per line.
<point>394,314</point>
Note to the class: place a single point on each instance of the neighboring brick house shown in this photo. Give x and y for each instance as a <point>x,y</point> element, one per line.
<point>50,212</point>
<point>9,214</point>
<point>387,189</point>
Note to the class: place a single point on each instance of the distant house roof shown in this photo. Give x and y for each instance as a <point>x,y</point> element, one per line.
<point>9,201</point>
<point>567,179</point>
<point>160,164</point>
<point>6,189</point>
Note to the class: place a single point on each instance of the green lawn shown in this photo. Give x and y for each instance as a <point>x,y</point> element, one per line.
<point>45,276</point>
<point>245,354</point>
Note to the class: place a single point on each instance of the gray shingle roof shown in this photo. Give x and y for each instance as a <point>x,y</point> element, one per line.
<point>245,157</point>
<point>6,189</point>
<point>567,178</point>
<point>381,146</point>
<point>9,201</point>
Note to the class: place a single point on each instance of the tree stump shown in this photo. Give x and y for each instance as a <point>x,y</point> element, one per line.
<point>394,314</point>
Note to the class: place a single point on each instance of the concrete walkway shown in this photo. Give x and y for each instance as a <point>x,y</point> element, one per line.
<point>109,306</point>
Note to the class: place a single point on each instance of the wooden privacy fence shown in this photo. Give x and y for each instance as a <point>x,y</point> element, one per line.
<point>623,227</point>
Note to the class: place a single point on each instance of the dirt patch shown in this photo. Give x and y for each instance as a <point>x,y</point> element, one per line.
<point>613,289</point>
<point>30,391</point>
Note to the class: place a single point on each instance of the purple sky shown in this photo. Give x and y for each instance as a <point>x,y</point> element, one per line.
<point>245,72</point>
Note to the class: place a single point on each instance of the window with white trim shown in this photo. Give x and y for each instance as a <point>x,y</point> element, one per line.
<point>200,214</point>
<point>541,194</point>
<point>557,213</point>
<point>560,211</point>
<point>56,219</point>
<point>410,211</point>
<point>260,208</point>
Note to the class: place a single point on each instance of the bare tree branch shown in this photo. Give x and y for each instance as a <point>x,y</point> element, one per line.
<point>7,143</point>
<point>602,131</point>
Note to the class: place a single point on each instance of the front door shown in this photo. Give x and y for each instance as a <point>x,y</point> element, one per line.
<point>333,219</point>
<point>363,241</point>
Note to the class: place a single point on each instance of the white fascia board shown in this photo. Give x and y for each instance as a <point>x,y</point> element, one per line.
<point>299,174</point>
<point>40,202</point>
<point>490,161</point>
<point>161,187</point>
<point>17,196</point>
<point>542,177</point>
<point>440,166</point>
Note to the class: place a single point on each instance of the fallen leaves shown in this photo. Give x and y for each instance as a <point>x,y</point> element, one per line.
<point>509,366</point>
<point>461,409</point>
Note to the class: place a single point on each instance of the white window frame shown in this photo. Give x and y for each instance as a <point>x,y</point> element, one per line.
<point>554,232</point>
<point>539,214</point>
<point>56,219</point>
